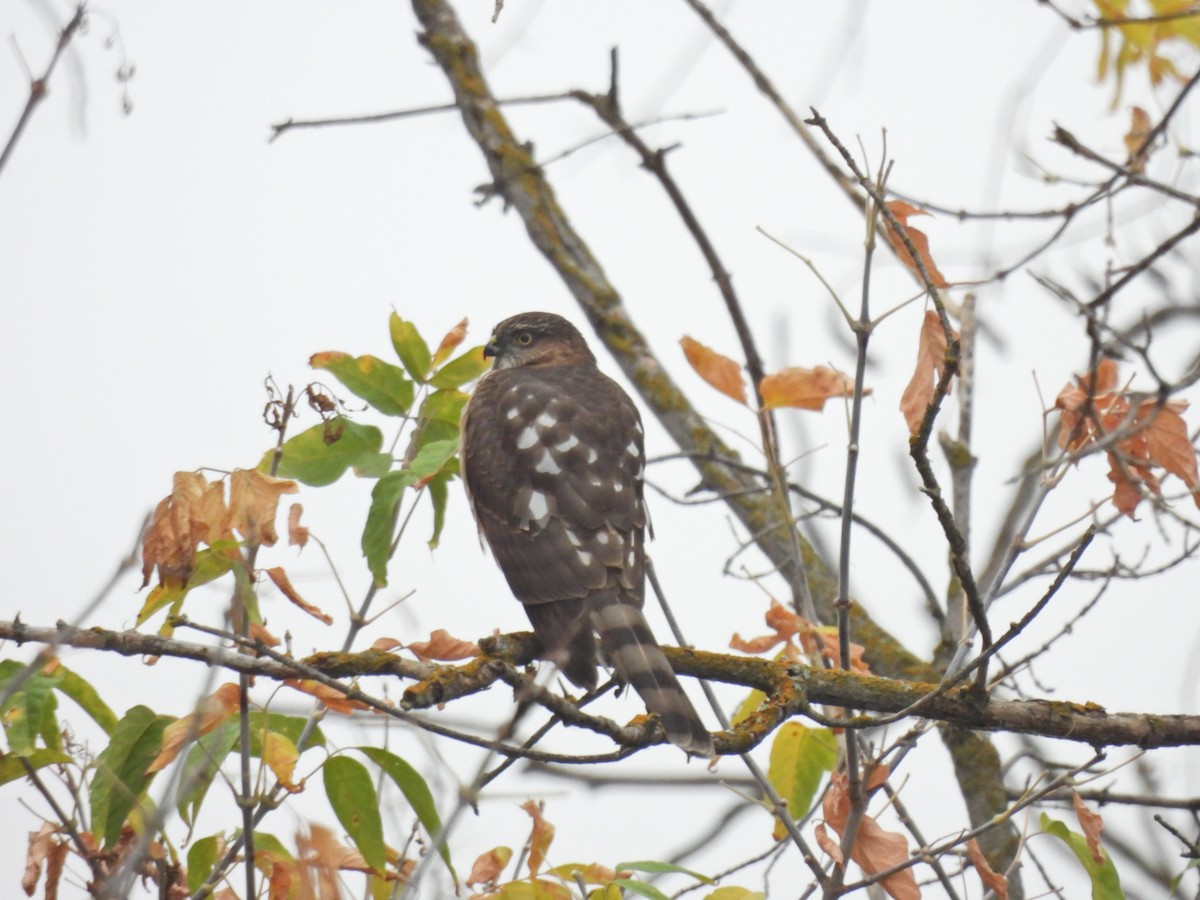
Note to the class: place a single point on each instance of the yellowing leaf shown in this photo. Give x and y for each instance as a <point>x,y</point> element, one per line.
<point>1135,141</point>
<point>719,371</point>
<point>253,502</point>
<point>931,360</point>
<point>280,755</point>
<point>453,338</point>
<point>1091,823</point>
<point>804,388</point>
<point>800,757</point>
<point>902,211</point>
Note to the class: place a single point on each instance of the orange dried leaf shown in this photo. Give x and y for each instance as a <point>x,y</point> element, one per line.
<point>488,866</point>
<point>903,211</point>
<point>1091,824</point>
<point>443,646</point>
<point>253,503</point>
<point>281,581</point>
<point>1168,444</point>
<point>719,371</point>
<point>539,838</point>
<point>992,880</point>
<point>386,643</point>
<point>804,388</point>
<point>832,848</point>
<point>823,641</point>
<point>1135,141</point>
<point>453,338</point>
<point>874,849</point>
<point>214,709</point>
<point>754,645</point>
<point>297,533</point>
<point>335,700</point>
<point>931,360</point>
<point>257,632</point>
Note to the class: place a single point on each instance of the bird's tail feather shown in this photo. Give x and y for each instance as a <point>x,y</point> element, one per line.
<point>628,644</point>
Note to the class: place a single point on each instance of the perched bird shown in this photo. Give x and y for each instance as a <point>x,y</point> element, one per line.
<point>553,461</point>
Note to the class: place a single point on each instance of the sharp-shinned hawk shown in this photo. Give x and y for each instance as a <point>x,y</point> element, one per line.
<point>553,461</point>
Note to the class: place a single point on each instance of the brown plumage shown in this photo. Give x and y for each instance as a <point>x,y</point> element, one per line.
<point>553,462</point>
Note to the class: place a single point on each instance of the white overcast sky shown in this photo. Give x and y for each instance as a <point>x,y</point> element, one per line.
<point>155,267</point>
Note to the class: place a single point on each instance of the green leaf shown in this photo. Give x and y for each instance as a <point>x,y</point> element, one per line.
<point>12,766</point>
<point>381,384</point>
<point>203,762</point>
<point>410,347</point>
<point>29,712</point>
<point>415,791</point>
<point>444,406</point>
<point>210,564</point>
<point>461,370</point>
<point>439,496</point>
<point>800,757</point>
<point>86,697</point>
<point>356,805</point>
<point>322,454</point>
<point>381,522</point>
<point>201,860</point>
<point>1106,884</point>
<point>385,503</point>
<point>121,778</point>
<point>640,888</point>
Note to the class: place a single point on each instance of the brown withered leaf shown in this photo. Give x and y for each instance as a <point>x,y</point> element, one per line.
<point>443,646</point>
<point>219,706</point>
<point>253,503</point>
<point>931,359</point>
<point>453,338</point>
<point>903,211</point>
<point>192,514</point>
<point>386,643</point>
<point>874,849</point>
<point>805,388</point>
<point>832,848</point>
<point>280,580</point>
<point>40,844</point>
<point>297,533</point>
<point>992,881</point>
<point>258,632</point>
<point>319,851</point>
<point>1135,141</point>
<point>1091,824</point>
<point>489,866</point>
<point>823,641</point>
<point>335,700</point>
<point>540,837</point>
<point>719,371</point>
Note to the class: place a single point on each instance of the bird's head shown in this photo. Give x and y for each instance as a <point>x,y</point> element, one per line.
<point>537,339</point>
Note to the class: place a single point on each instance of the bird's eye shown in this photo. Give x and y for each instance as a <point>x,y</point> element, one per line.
<point>524,338</point>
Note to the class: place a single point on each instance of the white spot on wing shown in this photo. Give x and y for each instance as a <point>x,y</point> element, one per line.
<point>512,413</point>
<point>567,444</point>
<point>547,465</point>
<point>630,559</point>
<point>574,538</point>
<point>527,438</point>
<point>546,420</point>
<point>633,449</point>
<point>618,487</point>
<point>602,538</point>
<point>585,557</point>
<point>538,507</point>
<point>592,456</point>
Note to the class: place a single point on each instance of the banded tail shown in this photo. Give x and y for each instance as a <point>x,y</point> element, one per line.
<point>631,649</point>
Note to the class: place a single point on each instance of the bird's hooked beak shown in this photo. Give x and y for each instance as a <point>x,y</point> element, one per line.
<point>491,348</point>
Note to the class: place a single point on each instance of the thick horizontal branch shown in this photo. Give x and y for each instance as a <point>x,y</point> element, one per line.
<point>792,690</point>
